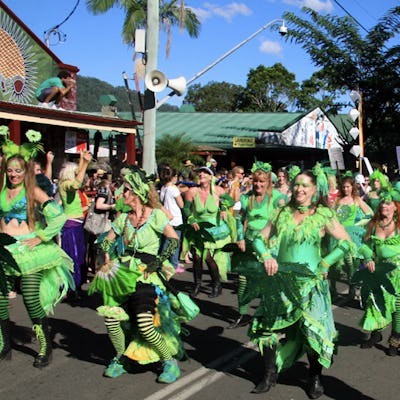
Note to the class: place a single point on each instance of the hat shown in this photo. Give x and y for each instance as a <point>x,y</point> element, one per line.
<point>206,170</point>
<point>101,172</point>
<point>212,160</point>
<point>188,163</point>
<point>360,179</point>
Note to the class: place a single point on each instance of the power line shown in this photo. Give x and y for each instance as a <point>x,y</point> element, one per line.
<point>351,16</point>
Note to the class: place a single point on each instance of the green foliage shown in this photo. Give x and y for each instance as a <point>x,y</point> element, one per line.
<point>173,149</point>
<point>171,14</point>
<point>270,89</point>
<point>215,97</point>
<point>90,90</point>
<point>369,64</point>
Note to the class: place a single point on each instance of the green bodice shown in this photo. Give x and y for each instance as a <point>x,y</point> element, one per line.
<point>257,214</point>
<point>301,243</point>
<point>206,212</point>
<point>146,238</point>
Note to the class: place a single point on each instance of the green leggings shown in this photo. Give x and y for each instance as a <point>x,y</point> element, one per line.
<point>30,287</point>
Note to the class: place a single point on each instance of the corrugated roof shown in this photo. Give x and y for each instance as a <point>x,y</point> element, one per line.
<point>218,129</point>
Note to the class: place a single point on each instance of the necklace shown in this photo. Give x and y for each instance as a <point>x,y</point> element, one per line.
<point>383,226</point>
<point>304,209</point>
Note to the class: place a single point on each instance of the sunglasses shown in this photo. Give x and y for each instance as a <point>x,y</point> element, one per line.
<point>126,189</point>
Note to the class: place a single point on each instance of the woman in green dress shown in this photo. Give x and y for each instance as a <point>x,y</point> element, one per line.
<point>382,295</point>
<point>379,182</point>
<point>132,284</point>
<point>296,300</point>
<point>29,220</point>
<point>203,205</point>
<point>255,211</point>
<point>353,213</point>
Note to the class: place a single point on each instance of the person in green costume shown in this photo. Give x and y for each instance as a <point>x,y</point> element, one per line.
<point>382,248</point>
<point>255,211</point>
<point>136,302</point>
<point>296,299</point>
<point>353,213</point>
<point>379,182</point>
<point>30,219</point>
<point>203,204</point>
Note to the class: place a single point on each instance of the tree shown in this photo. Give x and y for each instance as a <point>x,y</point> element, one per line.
<point>316,92</point>
<point>171,14</point>
<point>270,89</point>
<point>215,97</point>
<point>369,64</point>
<point>173,149</point>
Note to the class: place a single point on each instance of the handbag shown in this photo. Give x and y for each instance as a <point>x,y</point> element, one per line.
<point>187,305</point>
<point>96,223</point>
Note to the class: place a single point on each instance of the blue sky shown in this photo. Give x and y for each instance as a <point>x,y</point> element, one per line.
<point>94,43</point>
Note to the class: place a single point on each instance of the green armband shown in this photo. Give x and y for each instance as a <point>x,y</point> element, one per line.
<point>260,248</point>
<point>239,228</point>
<point>191,220</point>
<point>343,247</point>
<point>169,250</point>
<point>106,245</point>
<point>365,252</point>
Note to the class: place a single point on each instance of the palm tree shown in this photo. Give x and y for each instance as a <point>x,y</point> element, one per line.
<point>173,149</point>
<point>171,14</point>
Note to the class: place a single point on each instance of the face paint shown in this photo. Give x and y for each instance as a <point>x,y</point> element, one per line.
<point>303,184</point>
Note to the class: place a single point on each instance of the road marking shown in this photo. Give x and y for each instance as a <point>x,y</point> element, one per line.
<point>203,376</point>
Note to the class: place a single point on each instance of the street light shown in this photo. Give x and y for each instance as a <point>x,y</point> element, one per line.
<point>149,114</point>
<point>282,31</point>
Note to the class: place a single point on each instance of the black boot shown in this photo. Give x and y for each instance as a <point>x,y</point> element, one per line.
<point>314,388</point>
<point>197,275</point>
<point>270,371</point>
<point>41,328</point>
<point>375,338</point>
<point>216,288</point>
<point>5,339</point>
<point>394,344</point>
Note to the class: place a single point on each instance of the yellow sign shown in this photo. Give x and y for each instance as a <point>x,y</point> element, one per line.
<point>244,141</point>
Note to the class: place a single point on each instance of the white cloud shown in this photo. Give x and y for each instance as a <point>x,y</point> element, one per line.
<point>228,12</point>
<point>317,5</point>
<point>270,47</point>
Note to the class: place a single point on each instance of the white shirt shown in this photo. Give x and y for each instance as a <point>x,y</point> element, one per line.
<point>168,196</point>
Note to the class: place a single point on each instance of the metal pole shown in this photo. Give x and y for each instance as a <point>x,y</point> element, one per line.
<point>361,132</point>
<point>149,114</point>
<point>218,60</point>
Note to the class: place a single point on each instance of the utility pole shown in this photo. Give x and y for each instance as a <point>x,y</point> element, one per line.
<point>149,114</point>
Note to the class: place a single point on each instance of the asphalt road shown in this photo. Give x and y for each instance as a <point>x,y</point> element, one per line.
<point>221,364</point>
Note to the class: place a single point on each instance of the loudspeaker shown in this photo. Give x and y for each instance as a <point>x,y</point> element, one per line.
<point>156,81</point>
<point>178,85</point>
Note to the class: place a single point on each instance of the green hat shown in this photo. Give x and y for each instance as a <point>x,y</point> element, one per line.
<point>138,185</point>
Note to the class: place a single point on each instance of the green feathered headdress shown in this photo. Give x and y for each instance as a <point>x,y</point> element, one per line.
<point>389,195</point>
<point>293,172</point>
<point>377,175</point>
<point>261,166</point>
<point>322,180</point>
<point>26,150</point>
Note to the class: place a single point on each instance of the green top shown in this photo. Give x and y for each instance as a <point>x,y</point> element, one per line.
<point>257,214</point>
<point>301,243</point>
<point>146,238</point>
<point>70,198</point>
<point>207,212</point>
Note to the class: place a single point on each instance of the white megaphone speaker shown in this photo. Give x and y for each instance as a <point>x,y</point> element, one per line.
<point>156,81</point>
